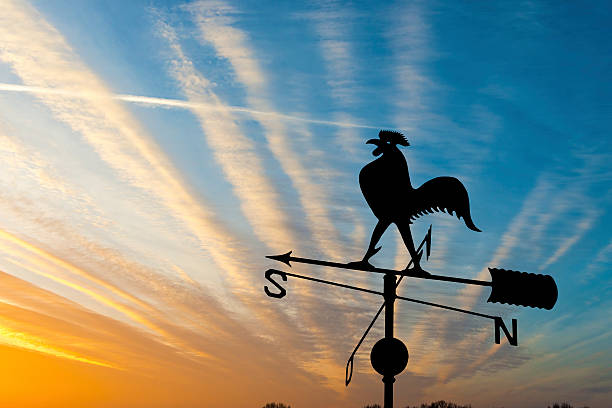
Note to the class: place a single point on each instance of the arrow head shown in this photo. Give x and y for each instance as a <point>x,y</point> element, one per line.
<point>285,258</point>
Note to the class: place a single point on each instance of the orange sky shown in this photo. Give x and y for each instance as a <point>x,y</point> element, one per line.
<point>152,153</point>
<point>64,355</point>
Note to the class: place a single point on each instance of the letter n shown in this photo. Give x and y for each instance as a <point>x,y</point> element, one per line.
<point>512,339</point>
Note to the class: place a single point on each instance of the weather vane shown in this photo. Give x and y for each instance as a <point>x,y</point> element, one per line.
<point>385,184</point>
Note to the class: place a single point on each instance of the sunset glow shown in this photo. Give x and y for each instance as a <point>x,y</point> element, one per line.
<point>154,152</point>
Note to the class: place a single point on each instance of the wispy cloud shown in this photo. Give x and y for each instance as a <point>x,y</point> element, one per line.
<point>409,36</point>
<point>215,23</point>
<point>182,104</point>
<point>236,155</point>
<point>603,258</point>
<point>42,58</point>
<point>581,228</point>
<point>332,24</point>
<point>23,340</point>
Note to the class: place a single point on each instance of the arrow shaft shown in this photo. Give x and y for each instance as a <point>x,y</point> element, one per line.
<point>456,280</point>
<point>406,273</point>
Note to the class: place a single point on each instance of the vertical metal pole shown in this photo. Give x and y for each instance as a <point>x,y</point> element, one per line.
<point>389,295</point>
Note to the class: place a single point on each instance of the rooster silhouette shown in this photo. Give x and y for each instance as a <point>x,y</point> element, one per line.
<point>385,184</point>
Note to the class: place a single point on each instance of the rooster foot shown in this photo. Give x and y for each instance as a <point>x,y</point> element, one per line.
<point>417,271</point>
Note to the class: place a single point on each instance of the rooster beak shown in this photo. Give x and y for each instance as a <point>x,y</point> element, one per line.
<point>376,142</point>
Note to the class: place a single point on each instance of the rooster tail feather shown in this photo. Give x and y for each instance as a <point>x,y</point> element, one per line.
<point>444,194</point>
<point>469,223</point>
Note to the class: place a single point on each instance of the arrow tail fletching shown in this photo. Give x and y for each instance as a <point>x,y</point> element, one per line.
<point>522,289</point>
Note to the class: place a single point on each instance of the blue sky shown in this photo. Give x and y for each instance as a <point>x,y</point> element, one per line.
<point>154,152</point>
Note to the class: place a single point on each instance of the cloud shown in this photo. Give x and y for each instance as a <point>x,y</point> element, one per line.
<point>333,25</point>
<point>23,340</point>
<point>582,227</point>
<point>236,155</point>
<point>178,103</point>
<point>603,258</point>
<point>409,36</point>
<point>40,56</point>
<point>215,23</point>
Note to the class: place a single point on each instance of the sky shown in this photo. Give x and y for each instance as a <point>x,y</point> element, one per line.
<point>155,152</point>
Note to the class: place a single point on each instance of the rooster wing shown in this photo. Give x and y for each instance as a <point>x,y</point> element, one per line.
<point>445,194</point>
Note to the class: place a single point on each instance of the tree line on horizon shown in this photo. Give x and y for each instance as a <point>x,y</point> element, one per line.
<point>437,404</point>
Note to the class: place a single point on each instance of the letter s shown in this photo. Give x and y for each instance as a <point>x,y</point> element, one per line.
<point>282,292</point>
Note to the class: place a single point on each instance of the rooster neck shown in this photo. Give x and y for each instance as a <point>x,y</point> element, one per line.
<point>391,167</point>
<point>397,166</point>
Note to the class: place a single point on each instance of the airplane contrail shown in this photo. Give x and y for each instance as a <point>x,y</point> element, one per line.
<point>178,103</point>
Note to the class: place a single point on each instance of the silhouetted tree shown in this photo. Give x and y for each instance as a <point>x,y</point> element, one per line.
<point>276,405</point>
<point>443,404</point>
<point>437,404</point>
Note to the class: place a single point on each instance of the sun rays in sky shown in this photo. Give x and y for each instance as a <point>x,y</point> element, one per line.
<point>154,152</point>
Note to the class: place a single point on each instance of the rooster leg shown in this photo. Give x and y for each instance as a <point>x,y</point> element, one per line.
<point>380,228</point>
<point>404,229</point>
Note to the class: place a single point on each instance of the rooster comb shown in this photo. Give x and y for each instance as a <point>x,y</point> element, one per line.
<point>393,137</point>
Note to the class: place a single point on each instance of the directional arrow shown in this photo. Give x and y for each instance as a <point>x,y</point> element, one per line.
<point>508,286</point>
<point>411,273</point>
